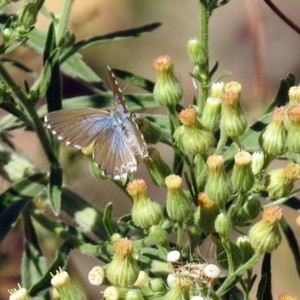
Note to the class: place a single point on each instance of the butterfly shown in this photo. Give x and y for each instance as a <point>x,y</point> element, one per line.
<point>111,137</point>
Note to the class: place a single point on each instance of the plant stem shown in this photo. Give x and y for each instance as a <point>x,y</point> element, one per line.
<point>179,234</point>
<point>204,72</point>
<point>63,19</point>
<point>232,277</point>
<point>173,116</point>
<point>37,123</point>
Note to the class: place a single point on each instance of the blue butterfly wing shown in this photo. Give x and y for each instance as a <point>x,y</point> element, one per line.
<point>113,154</point>
<point>78,128</point>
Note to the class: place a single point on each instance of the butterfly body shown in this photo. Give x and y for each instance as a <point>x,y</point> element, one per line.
<point>112,138</point>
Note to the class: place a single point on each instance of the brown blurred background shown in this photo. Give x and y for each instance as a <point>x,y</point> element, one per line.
<point>246,37</point>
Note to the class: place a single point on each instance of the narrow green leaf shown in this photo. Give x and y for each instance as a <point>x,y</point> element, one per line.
<point>214,69</point>
<point>59,261</point>
<point>55,184</point>
<point>107,219</point>
<point>138,81</point>
<point>260,295</point>
<point>292,241</point>
<point>111,37</point>
<point>265,286</point>
<point>18,65</point>
<point>9,216</point>
<point>34,263</point>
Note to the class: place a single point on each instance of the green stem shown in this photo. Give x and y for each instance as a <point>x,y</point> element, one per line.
<point>179,234</point>
<point>204,72</point>
<point>63,20</point>
<point>173,116</point>
<point>228,249</point>
<point>37,123</point>
<point>238,272</point>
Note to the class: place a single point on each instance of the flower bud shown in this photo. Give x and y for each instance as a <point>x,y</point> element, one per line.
<point>134,295</point>
<point>178,205</point>
<point>192,137</point>
<point>287,296</point>
<point>258,161</point>
<point>156,167</point>
<point>123,270</point>
<point>218,186</point>
<point>143,283</point>
<point>249,211</point>
<point>7,35</point>
<point>151,131</point>
<point>245,247</point>
<point>195,51</point>
<point>242,177</point>
<point>157,285</point>
<point>19,294</point>
<point>180,290</point>
<point>159,235</point>
<point>232,123</point>
<point>292,141</point>
<point>223,224</point>
<point>264,236</point>
<point>167,89</point>
<point>273,139</point>
<point>96,275</point>
<point>279,182</point>
<point>294,95</point>
<point>211,114</point>
<point>217,89</point>
<point>206,213</point>
<point>145,212</point>
<point>65,287</point>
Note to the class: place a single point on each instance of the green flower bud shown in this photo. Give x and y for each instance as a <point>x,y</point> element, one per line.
<point>273,139</point>
<point>156,167</point>
<point>195,51</point>
<point>28,15</point>
<point>242,177</point>
<point>245,247</point>
<point>145,212</point>
<point>158,235</point>
<point>167,89</point>
<point>143,283</point>
<point>115,237</point>
<point>151,131</point>
<point>223,224</point>
<point>178,205</point>
<point>233,122</point>
<point>180,290</point>
<point>123,270</point>
<point>218,186</point>
<point>206,213</point>
<point>258,161</point>
<point>249,211</point>
<point>157,285</point>
<point>217,89</point>
<point>192,137</point>
<point>294,95</point>
<point>211,114</point>
<point>279,182</point>
<point>66,288</point>
<point>134,295</point>
<point>293,142</point>
<point>19,294</point>
<point>264,236</point>
<point>7,35</point>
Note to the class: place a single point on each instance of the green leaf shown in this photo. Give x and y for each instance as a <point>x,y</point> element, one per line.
<point>55,184</point>
<point>107,219</point>
<point>59,261</point>
<point>138,81</point>
<point>292,241</point>
<point>18,65</point>
<point>34,263</point>
<point>9,216</point>
<point>111,37</point>
<point>260,295</point>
